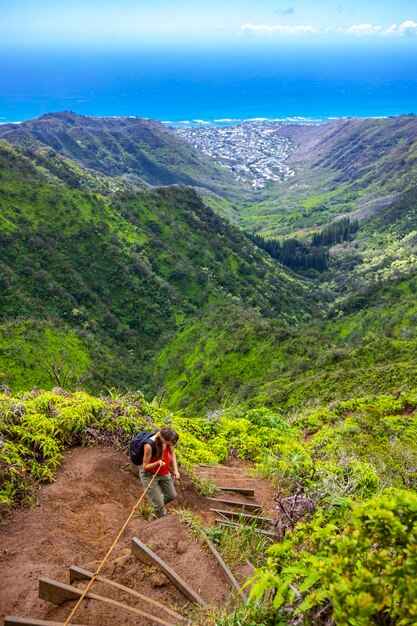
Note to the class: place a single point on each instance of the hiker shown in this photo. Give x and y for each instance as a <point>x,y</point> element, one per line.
<point>160,454</point>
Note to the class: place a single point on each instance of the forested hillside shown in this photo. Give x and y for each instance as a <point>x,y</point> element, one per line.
<point>364,264</point>
<point>93,285</point>
<point>350,166</point>
<point>139,150</point>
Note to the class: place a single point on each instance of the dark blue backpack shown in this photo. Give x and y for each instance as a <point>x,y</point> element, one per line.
<point>137,445</point>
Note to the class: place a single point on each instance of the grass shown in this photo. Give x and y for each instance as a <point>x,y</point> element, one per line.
<point>189,518</point>
<point>205,486</point>
<point>145,510</point>
<point>245,614</point>
<point>237,544</point>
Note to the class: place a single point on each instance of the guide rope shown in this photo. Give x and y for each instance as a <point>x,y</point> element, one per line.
<point>97,572</point>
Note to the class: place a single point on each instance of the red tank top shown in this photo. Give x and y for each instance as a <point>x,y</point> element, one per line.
<point>165,469</point>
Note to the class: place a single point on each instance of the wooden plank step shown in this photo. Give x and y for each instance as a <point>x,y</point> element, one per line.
<point>220,472</point>
<point>254,506</point>
<point>223,522</point>
<point>11,620</point>
<point>234,469</point>
<point>223,566</point>
<point>243,490</point>
<point>78,573</point>
<point>242,516</point>
<point>228,477</point>
<point>58,593</point>
<point>145,554</point>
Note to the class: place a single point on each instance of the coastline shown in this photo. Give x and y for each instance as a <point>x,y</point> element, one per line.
<point>252,120</point>
<point>201,123</point>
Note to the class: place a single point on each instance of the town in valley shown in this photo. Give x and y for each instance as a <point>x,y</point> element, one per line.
<point>254,151</point>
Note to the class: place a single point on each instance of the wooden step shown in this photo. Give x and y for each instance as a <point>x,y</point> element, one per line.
<point>223,566</point>
<point>234,469</point>
<point>225,475</point>
<point>254,506</point>
<point>58,593</point>
<point>145,554</point>
<point>243,516</point>
<point>78,573</point>
<point>232,475</point>
<point>245,491</point>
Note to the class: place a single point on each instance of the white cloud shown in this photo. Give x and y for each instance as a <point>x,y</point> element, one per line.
<point>277,29</point>
<point>364,30</point>
<point>408,28</point>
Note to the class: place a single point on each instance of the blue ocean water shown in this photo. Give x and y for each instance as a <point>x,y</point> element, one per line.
<point>206,86</point>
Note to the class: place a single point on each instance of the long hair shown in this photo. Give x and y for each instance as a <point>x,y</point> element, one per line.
<point>167,434</point>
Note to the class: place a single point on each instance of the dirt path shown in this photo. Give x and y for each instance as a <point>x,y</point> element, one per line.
<point>77,520</point>
<point>238,474</point>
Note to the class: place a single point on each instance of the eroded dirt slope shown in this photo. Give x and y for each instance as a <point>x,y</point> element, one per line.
<point>75,523</point>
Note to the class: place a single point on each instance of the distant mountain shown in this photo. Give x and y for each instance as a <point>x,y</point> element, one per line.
<point>366,170</point>
<point>361,151</point>
<point>140,150</point>
<point>109,278</point>
<point>350,166</point>
<point>362,170</point>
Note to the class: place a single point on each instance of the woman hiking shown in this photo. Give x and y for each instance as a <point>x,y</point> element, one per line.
<point>160,453</point>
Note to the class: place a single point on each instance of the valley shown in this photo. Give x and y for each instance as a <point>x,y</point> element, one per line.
<point>70,232</point>
<point>270,321</point>
<point>255,152</point>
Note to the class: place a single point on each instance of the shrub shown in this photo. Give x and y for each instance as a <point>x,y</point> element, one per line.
<point>364,574</point>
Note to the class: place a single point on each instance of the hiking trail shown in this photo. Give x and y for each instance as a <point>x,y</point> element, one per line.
<point>76,521</point>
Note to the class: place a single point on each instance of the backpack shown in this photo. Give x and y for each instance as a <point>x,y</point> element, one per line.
<point>137,446</point>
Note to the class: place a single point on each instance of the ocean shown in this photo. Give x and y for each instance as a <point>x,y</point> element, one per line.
<point>222,86</point>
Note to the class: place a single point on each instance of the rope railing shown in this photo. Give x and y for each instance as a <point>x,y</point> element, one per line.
<point>97,572</point>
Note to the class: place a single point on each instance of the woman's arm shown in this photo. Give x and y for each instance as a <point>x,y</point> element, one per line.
<point>173,459</point>
<point>147,454</point>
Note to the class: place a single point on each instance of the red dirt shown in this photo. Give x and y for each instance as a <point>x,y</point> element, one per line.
<point>77,519</point>
<point>238,474</point>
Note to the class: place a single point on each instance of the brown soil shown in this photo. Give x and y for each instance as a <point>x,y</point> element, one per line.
<point>78,518</point>
<point>238,474</point>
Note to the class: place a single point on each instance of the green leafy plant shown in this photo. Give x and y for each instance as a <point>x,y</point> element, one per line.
<point>205,486</point>
<point>362,574</point>
<point>239,543</point>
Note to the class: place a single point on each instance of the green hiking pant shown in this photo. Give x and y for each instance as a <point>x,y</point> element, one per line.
<point>161,492</point>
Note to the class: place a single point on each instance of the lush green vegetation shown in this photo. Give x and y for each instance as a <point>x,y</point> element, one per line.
<point>118,274</point>
<point>367,345</point>
<point>350,166</point>
<point>344,475</point>
<point>139,150</point>
<point>103,284</point>
<point>216,317</point>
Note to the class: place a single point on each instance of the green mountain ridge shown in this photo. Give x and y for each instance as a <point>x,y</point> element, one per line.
<point>152,288</point>
<point>344,167</point>
<point>122,271</point>
<point>140,151</point>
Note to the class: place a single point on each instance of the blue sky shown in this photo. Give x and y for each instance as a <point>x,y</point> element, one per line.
<point>242,22</point>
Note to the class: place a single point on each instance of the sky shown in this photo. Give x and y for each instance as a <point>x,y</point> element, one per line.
<point>57,23</point>
<point>219,58</point>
